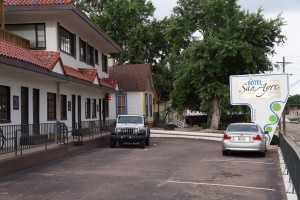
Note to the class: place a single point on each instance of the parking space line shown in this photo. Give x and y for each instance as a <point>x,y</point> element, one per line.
<point>240,161</point>
<point>291,137</point>
<point>222,185</point>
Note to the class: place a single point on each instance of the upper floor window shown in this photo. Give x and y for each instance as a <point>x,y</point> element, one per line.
<point>90,55</point>
<point>67,41</point>
<point>35,33</point>
<point>86,53</point>
<point>104,63</point>
<point>51,106</point>
<point>82,50</point>
<point>4,104</point>
<point>96,57</point>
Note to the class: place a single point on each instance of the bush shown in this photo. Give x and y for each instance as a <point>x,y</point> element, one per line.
<point>275,140</point>
<point>204,125</point>
<point>171,126</point>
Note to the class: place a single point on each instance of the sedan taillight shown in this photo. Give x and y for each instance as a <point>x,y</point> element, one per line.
<point>257,137</point>
<point>226,137</point>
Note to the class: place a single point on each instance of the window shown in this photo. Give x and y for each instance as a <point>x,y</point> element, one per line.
<point>63,107</point>
<point>96,57</point>
<point>82,50</point>
<point>35,33</point>
<point>106,107</point>
<point>146,104</point>
<point>150,105</point>
<point>104,63</point>
<point>94,111</point>
<point>87,108</point>
<point>51,106</point>
<point>86,52</point>
<point>90,55</point>
<point>67,41</point>
<point>4,104</point>
<point>121,109</point>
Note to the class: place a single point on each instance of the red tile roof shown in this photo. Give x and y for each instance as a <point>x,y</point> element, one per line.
<point>10,50</point>
<point>112,81</point>
<point>89,74</point>
<point>48,58</point>
<point>35,2</point>
<point>74,72</point>
<point>104,83</point>
<point>131,77</point>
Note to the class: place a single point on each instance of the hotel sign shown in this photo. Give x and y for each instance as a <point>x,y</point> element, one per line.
<point>266,95</point>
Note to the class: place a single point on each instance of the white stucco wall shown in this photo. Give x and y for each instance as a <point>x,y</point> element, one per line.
<point>52,39</point>
<point>135,103</point>
<point>16,79</point>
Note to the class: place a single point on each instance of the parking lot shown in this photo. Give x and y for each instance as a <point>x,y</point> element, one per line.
<point>168,169</point>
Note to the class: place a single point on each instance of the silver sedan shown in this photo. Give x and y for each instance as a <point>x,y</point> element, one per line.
<point>244,137</point>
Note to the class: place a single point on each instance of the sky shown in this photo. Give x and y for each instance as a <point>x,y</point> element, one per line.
<point>289,10</point>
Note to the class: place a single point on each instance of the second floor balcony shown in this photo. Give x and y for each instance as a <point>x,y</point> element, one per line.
<point>15,39</point>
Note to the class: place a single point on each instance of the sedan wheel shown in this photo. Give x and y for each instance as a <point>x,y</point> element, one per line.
<point>224,153</point>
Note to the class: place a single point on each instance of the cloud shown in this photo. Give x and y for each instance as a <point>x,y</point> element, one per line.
<point>270,6</point>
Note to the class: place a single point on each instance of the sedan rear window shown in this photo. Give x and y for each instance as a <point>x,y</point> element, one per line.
<point>242,127</point>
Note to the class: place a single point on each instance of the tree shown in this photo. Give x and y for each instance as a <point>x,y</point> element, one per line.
<point>293,102</point>
<point>232,42</point>
<point>131,24</point>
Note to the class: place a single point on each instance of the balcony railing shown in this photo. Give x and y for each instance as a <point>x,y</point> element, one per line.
<point>15,39</point>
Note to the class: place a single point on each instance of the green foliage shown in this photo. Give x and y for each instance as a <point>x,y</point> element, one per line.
<point>275,140</point>
<point>130,24</point>
<point>171,126</point>
<point>232,42</point>
<point>293,102</point>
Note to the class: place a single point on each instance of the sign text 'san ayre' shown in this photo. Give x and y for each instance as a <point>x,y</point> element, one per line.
<point>249,89</point>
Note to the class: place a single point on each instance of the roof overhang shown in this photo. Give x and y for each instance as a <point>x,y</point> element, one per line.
<point>11,62</point>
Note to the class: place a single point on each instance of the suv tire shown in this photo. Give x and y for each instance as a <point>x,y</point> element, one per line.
<point>142,143</point>
<point>147,141</point>
<point>113,144</point>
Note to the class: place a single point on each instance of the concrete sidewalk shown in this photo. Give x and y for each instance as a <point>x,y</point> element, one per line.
<point>186,134</point>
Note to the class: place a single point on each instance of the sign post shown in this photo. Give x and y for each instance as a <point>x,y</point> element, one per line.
<point>265,94</point>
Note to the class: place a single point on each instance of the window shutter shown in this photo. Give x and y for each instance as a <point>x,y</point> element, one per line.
<point>74,45</point>
<point>58,36</point>
<point>93,56</point>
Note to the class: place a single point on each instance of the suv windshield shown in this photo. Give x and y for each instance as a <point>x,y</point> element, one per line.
<point>130,119</point>
<point>242,127</point>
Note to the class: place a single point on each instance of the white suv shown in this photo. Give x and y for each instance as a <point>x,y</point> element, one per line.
<point>130,128</point>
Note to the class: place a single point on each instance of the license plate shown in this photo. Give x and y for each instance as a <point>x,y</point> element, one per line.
<point>243,139</point>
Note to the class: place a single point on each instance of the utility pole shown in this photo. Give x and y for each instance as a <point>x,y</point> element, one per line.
<point>283,63</point>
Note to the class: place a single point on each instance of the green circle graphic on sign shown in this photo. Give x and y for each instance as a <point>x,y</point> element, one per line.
<point>272,118</point>
<point>276,107</point>
<point>269,129</point>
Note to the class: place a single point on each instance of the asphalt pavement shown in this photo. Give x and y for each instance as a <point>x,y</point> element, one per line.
<point>293,130</point>
<point>168,169</point>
